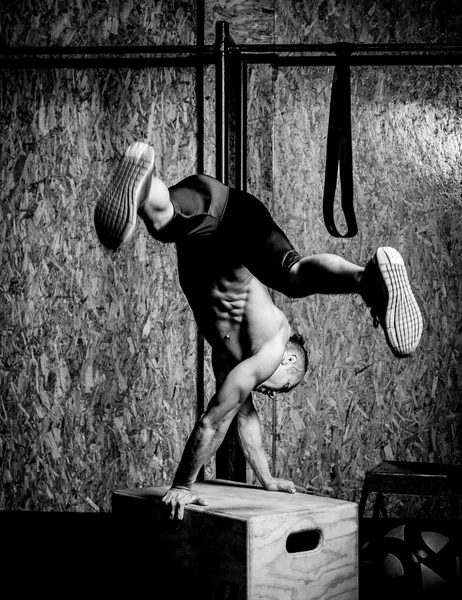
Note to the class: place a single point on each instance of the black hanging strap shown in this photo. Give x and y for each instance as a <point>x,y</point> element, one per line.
<point>339,149</point>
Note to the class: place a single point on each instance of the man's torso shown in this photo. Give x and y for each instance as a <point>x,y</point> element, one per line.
<point>232,308</point>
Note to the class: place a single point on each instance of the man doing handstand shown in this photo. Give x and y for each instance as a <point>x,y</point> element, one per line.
<point>229,251</point>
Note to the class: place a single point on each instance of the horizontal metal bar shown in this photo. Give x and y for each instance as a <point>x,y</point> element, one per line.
<point>101,50</point>
<point>103,63</point>
<point>193,61</point>
<point>375,60</point>
<point>243,48</point>
<point>333,48</point>
<point>209,56</point>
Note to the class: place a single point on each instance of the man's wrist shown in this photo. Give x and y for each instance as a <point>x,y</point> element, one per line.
<point>266,481</point>
<point>182,486</point>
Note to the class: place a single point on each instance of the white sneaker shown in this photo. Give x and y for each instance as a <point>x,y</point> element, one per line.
<point>116,210</point>
<point>393,305</point>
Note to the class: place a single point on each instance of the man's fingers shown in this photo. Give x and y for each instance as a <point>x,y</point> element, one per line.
<point>166,498</point>
<point>281,485</point>
<point>177,506</point>
<point>177,501</point>
<point>200,501</point>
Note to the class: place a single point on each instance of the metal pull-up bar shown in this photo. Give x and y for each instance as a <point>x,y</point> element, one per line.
<point>48,57</point>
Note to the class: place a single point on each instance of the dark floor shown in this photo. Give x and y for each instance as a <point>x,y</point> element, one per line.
<point>56,554</point>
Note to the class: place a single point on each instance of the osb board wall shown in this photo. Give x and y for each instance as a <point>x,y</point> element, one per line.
<point>358,405</point>
<point>330,21</point>
<point>98,351</point>
<point>99,22</point>
<point>98,348</point>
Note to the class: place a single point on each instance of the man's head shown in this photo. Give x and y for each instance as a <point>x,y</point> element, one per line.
<point>290,372</point>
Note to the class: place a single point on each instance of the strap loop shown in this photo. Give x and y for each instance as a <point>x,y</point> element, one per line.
<point>339,147</point>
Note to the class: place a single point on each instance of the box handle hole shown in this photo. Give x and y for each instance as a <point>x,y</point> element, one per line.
<point>303,541</point>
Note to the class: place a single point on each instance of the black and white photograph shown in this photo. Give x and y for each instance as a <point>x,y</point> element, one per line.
<point>231,299</point>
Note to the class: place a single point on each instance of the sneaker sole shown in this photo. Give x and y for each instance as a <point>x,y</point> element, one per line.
<point>403,320</point>
<point>116,210</point>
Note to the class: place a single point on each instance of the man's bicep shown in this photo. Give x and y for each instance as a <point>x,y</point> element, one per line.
<point>245,377</point>
<point>254,370</point>
<point>235,388</point>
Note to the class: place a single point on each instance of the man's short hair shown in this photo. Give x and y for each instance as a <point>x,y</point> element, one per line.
<point>296,344</point>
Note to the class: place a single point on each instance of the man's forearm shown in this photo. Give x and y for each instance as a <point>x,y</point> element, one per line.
<point>202,444</point>
<point>250,438</point>
<point>211,428</point>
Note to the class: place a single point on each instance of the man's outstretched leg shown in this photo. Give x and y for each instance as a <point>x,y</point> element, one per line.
<point>383,285</point>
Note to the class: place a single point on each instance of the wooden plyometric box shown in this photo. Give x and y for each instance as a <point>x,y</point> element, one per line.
<point>247,544</point>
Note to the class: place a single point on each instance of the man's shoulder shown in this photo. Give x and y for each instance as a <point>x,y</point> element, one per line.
<point>270,325</point>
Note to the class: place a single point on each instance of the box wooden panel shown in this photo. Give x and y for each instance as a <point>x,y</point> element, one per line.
<point>257,544</point>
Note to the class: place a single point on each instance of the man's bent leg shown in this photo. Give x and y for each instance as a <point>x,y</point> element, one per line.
<point>157,210</point>
<point>383,285</point>
<point>325,274</point>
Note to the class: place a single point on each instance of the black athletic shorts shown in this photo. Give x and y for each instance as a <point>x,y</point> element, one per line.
<point>206,210</point>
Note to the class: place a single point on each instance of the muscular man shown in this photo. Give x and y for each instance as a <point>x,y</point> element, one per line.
<point>229,251</point>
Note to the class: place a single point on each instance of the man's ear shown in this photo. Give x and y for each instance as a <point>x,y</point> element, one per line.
<point>289,359</point>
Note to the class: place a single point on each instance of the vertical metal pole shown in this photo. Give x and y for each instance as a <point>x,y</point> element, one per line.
<point>244,126</point>
<point>241,143</point>
<point>200,20</point>
<point>239,107</point>
<point>221,149</point>
<point>222,132</point>
<point>230,460</point>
